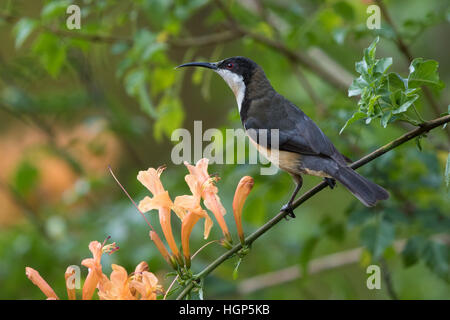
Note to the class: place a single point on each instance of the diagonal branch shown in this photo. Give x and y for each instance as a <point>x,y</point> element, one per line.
<point>425,127</point>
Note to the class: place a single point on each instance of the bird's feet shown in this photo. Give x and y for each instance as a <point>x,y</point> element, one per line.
<point>289,210</point>
<point>331,182</point>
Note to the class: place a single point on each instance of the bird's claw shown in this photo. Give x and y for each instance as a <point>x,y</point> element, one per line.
<point>331,182</point>
<point>289,210</point>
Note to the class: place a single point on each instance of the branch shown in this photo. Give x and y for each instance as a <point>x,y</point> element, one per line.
<point>425,127</point>
<point>294,56</point>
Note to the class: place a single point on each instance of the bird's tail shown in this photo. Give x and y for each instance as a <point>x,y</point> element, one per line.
<point>366,191</point>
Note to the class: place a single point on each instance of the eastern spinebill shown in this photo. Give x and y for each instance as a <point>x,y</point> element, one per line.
<point>302,147</point>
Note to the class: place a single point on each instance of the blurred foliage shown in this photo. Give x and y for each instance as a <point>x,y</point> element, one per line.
<point>74,101</point>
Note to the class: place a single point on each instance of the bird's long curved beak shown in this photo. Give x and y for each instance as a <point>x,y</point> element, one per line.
<point>199,64</point>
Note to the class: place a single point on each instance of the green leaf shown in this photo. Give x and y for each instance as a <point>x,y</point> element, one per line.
<point>419,142</point>
<point>406,103</point>
<point>447,171</point>
<point>424,72</point>
<point>376,238</point>
<point>170,116</point>
<point>23,28</point>
<point>54,9</point>
<point>25,178</point>
<point>357,87</point>
<point>355,117</point>
<point>437,259</point>
<point>136,86</point>
<point>385,118</point>
<point>236,269</point>
<point>369,53</point>
<point>413,250</point>
<point>382,65</point>
<point>396,82</point>
<point>51,51</point>
<point>344,10</point>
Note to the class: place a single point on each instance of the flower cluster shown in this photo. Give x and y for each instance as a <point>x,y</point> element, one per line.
<point>189,209</point>
<point>140,285</point>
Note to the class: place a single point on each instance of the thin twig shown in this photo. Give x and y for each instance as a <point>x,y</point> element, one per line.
<point>386,273</point>
<point>193,256</point>
<point>129,197</point>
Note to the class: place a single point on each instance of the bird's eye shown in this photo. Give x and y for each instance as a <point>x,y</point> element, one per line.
<point>229,65</point>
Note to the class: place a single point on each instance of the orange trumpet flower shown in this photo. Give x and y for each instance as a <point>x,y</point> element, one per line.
<point>209,193</point>
<point>161,201</point>
<point>242,191</point>
<point>194,212</point>
<point>37,280</point>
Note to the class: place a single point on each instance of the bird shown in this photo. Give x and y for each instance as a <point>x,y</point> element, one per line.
<point>302,147</point>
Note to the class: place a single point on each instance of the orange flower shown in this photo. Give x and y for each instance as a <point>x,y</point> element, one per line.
<point>194,212</point>
<point>70,271</point>
<point>117,287</point>
<point>162,249</point>
<point>142,285</point>
<point>209,192</point>
<point>161,201</point>
<point>94,276</point>
<point>147,286</point>
<point>37,280</point>
<point>242,191</point>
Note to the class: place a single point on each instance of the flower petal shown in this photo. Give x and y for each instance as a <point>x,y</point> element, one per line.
<point>70,283</point>
<point>243,189</point>
<point>38,281</point>
<point>151,180</point>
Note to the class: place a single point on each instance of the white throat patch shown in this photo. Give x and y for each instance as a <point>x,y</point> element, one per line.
<point>236,83</point>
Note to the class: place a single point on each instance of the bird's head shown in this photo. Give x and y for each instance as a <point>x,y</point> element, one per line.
<point>236,71</point>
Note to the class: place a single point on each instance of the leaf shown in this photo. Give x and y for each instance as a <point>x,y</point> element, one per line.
<point>376,238</point>
<point>424,72</point>
<point>355,117</point>
<point>369,53</point>
<point>395,82</point>
<point>406,104</point>
<point>25,178</point>
<point>419,142</point>
<point>382,65</point>
<point>344,10</point>
<point>436,258</point>
<point>136,86</point>
<point>51,51</point>
<point>54,9</point>
<point>357,86</point>
<point>236,269</point>
<point>385,118</point>
<point>170,116</point>
<point>23,28</point>
<point>447,171</point>
<point>413,250</point>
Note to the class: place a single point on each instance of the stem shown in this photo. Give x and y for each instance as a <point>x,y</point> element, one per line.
<point>427,126</point>
<point>418,114</point>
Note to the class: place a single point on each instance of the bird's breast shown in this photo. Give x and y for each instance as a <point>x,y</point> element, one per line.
<point>288,161</point>
<point>285,160</point>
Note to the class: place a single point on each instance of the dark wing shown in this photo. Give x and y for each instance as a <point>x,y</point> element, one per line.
<point>297,132</point>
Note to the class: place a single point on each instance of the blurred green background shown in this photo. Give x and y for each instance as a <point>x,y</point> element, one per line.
<point>73,102</point>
